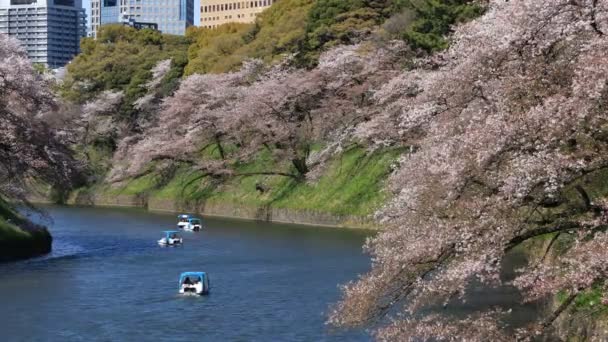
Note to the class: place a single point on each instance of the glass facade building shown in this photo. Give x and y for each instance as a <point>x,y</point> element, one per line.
<point>171,16</point>
<point>50,30</point>
<point>109,12</point>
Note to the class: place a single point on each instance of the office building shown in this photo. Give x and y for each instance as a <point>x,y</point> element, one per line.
<point>171,16</point>
<point>50,30</point>
<point>218,12</point>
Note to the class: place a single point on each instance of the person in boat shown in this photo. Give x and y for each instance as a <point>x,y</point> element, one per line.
<point>187,284</point>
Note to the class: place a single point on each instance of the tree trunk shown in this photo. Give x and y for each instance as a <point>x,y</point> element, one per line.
<point>300,165</point>
<point>220,147</point>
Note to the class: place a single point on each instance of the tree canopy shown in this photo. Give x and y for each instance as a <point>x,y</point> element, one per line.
<point>278,31</point>
<point>29,150</point>
<point>121,58</point>
<point>307,28</point>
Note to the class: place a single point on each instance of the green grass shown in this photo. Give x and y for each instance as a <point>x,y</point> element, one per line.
<point>17,243</point>
<point>137,186</point>
<point>186,186</point>
<point>98,157</point>
<point>588,301</point>
<point>9,231</point>
<point>351,184</point>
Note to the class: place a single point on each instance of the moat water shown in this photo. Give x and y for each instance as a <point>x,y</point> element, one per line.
<point>108,280</point>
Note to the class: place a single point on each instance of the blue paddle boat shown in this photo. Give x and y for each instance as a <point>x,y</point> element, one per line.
<point>171,238</point>
<point>190,223</point>
<point>194,283</point>
<point>182,220</point>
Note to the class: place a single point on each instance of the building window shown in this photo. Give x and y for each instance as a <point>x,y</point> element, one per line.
<point>22,2</point>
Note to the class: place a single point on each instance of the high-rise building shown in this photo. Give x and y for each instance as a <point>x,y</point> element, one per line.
<point>50,30</point>
<point>171,16</point>
<point>218,12</point>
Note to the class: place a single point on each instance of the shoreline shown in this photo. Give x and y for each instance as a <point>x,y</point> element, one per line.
<point>22,239</point>
<point>40,243</point>
<point>222,210</point>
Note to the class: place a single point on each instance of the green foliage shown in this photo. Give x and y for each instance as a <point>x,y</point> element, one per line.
<point>171,81</point>
<point>137,186</point>
<point>424,24</point>
<point>9,231</point>
<point>279,30</point>
<point>98,155</point>
<point>433,20</point>
<point>41,68</point>
<point>587,302</point>
<point>333,22</point>
<point>17,242</point>
<point>306,28</point>
<point>214,50</point>
<point>120,59</point>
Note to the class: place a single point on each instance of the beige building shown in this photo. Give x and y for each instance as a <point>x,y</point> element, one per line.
<point>218,12</point>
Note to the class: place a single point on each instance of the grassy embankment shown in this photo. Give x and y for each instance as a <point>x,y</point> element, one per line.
<point>19,238</point>
<point>352,185</point>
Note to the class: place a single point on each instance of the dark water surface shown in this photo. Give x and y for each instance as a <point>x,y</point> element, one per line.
<point>108,280</point>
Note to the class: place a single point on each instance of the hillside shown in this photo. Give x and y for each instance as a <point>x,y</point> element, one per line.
<point>466,128</point>
<point>124,80</point>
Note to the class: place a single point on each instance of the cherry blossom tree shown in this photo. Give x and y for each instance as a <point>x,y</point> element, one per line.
<point>29,150</point>
<point>147,103</point>
<point>193,118</point>
<point>504,129</point>
<point>277,108</point>
<point>290,109</point>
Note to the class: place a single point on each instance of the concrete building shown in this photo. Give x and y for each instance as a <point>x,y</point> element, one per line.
<point>50,30</point>
<point>218,12</point>
<point>171,16</point>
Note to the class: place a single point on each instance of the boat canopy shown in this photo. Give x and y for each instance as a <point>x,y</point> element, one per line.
<point>183,216</point>
<point>168,233</point>
<point>194,220</point>
<point>193,275</point>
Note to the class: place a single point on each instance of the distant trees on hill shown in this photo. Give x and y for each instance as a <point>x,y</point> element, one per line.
<point>307,28</point>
